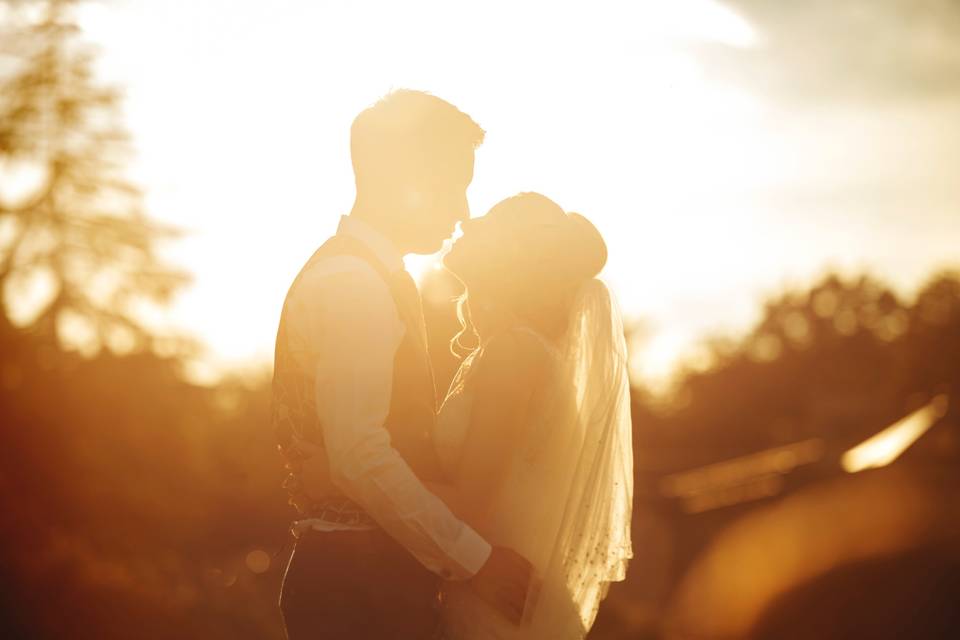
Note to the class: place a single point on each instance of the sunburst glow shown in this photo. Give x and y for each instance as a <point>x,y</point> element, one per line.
<point>242,133</point>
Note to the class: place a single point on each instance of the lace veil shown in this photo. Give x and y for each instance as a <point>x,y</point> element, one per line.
<point>591,547</point>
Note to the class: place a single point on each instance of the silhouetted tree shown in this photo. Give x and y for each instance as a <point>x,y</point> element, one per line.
<point>71,225</point>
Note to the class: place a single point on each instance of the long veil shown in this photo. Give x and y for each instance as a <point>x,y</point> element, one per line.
<point>592,545</point>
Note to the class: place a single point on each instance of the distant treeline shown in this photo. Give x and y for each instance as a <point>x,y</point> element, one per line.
<point>136,504</point>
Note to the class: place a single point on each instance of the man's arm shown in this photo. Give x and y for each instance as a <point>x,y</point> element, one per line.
<point>353,332</point>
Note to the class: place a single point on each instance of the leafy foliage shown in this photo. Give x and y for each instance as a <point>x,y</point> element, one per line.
<point>77,251</point>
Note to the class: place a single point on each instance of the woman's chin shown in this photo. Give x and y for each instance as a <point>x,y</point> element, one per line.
<point>450,260</point>
<point>455,267</point>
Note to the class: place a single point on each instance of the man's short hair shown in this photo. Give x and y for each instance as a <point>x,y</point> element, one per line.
<point>405,124</point>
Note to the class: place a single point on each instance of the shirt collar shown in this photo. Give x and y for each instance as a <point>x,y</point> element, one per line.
<point>379,244</point>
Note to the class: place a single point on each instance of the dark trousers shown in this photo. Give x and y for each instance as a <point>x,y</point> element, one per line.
<point>357,585</point>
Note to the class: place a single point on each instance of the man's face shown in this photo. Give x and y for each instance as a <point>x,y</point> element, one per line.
<point>438,200</point>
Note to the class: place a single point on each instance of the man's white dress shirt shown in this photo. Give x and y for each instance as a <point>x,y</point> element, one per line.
<point>343,322</point>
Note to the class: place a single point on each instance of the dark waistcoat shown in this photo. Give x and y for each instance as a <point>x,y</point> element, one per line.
<point>412,404</point>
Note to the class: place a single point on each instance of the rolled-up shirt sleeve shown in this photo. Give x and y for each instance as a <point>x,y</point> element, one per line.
<point>353,331</point>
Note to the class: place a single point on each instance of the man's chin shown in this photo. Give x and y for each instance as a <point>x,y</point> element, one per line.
<point>427,249</point>
<point>451,261</point>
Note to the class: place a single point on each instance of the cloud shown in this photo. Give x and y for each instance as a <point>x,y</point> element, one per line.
<point>846,50</point>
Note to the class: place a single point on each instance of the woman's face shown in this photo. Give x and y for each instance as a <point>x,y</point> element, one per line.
<point>486,250</point>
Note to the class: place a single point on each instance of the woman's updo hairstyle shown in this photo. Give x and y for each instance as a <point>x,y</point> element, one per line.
<point>545,254</point>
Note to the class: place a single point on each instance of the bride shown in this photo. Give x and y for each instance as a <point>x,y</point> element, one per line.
<point>535,430</point>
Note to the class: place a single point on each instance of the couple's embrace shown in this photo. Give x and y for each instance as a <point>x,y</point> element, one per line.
<point>505,513</point>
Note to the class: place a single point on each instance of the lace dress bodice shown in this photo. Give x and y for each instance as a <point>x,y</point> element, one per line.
<point>520,509</point>
<point>454,420</point>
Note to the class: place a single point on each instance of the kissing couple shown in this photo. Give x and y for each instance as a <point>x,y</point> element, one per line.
<point>506,512</point>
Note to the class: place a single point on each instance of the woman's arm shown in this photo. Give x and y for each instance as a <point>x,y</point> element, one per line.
<point>508,373</point>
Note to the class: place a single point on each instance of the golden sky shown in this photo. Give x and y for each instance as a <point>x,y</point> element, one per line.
<point>713,188</point>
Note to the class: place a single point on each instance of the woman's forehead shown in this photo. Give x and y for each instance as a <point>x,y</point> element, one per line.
<point>523,210</point>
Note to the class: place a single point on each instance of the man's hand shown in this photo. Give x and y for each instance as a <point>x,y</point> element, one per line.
<point>503,582</point>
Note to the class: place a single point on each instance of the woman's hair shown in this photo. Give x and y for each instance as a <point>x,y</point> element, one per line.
<point>457,347</point>
<point>537,272</point>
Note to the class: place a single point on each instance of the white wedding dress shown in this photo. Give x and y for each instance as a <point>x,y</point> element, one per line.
<point>565,502</point>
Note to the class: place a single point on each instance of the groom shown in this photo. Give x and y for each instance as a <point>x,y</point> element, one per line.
<point>352,377</point>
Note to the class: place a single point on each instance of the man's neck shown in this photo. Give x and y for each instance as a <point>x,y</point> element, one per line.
<point>368,214</point>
